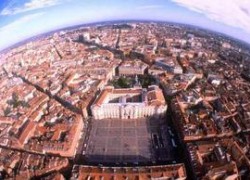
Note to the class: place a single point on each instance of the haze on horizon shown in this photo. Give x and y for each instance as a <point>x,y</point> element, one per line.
<point>21,19</point>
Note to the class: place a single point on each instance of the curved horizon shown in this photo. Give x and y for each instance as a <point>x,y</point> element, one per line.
<point>108,22</point>
<point>20,20</point>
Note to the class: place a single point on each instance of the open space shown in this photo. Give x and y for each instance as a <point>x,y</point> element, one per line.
<point>128,141</point>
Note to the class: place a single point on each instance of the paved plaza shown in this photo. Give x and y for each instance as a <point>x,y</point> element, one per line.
<point>126,141</point>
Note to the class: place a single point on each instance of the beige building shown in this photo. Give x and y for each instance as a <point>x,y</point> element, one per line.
<point>169,64</point>
<point>129,103</point>
<point>131,68</point>
<point>174,171</point>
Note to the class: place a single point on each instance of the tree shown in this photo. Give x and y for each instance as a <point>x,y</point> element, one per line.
<point>146,80</point>
<point>7,111</point>
<point>15,102</point>
<point>122,82</point>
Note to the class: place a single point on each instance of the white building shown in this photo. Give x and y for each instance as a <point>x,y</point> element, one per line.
<point>129,103</point>
<point>169,64</point>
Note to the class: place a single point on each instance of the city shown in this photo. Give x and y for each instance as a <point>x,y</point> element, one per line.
<point>126,100</point>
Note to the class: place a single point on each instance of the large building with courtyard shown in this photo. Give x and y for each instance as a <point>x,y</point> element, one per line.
<point>130,103</point>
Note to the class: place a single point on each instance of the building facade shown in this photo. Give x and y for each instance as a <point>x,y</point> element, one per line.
<point>129,103</point>
<point>131,68</point>
<point>169,64</point>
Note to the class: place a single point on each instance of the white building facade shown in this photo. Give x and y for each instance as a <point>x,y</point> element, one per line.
<point>129,103</point>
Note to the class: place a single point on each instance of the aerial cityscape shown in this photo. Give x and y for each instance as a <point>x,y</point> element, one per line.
<point>124,90</point>
<point>126,100</point>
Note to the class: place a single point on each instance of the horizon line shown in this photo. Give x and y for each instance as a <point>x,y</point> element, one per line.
<point>78,25</point>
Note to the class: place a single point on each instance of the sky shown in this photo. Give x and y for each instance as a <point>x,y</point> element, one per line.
<point>21,19</point>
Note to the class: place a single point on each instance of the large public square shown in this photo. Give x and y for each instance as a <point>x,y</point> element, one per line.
<point>131,141</point>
